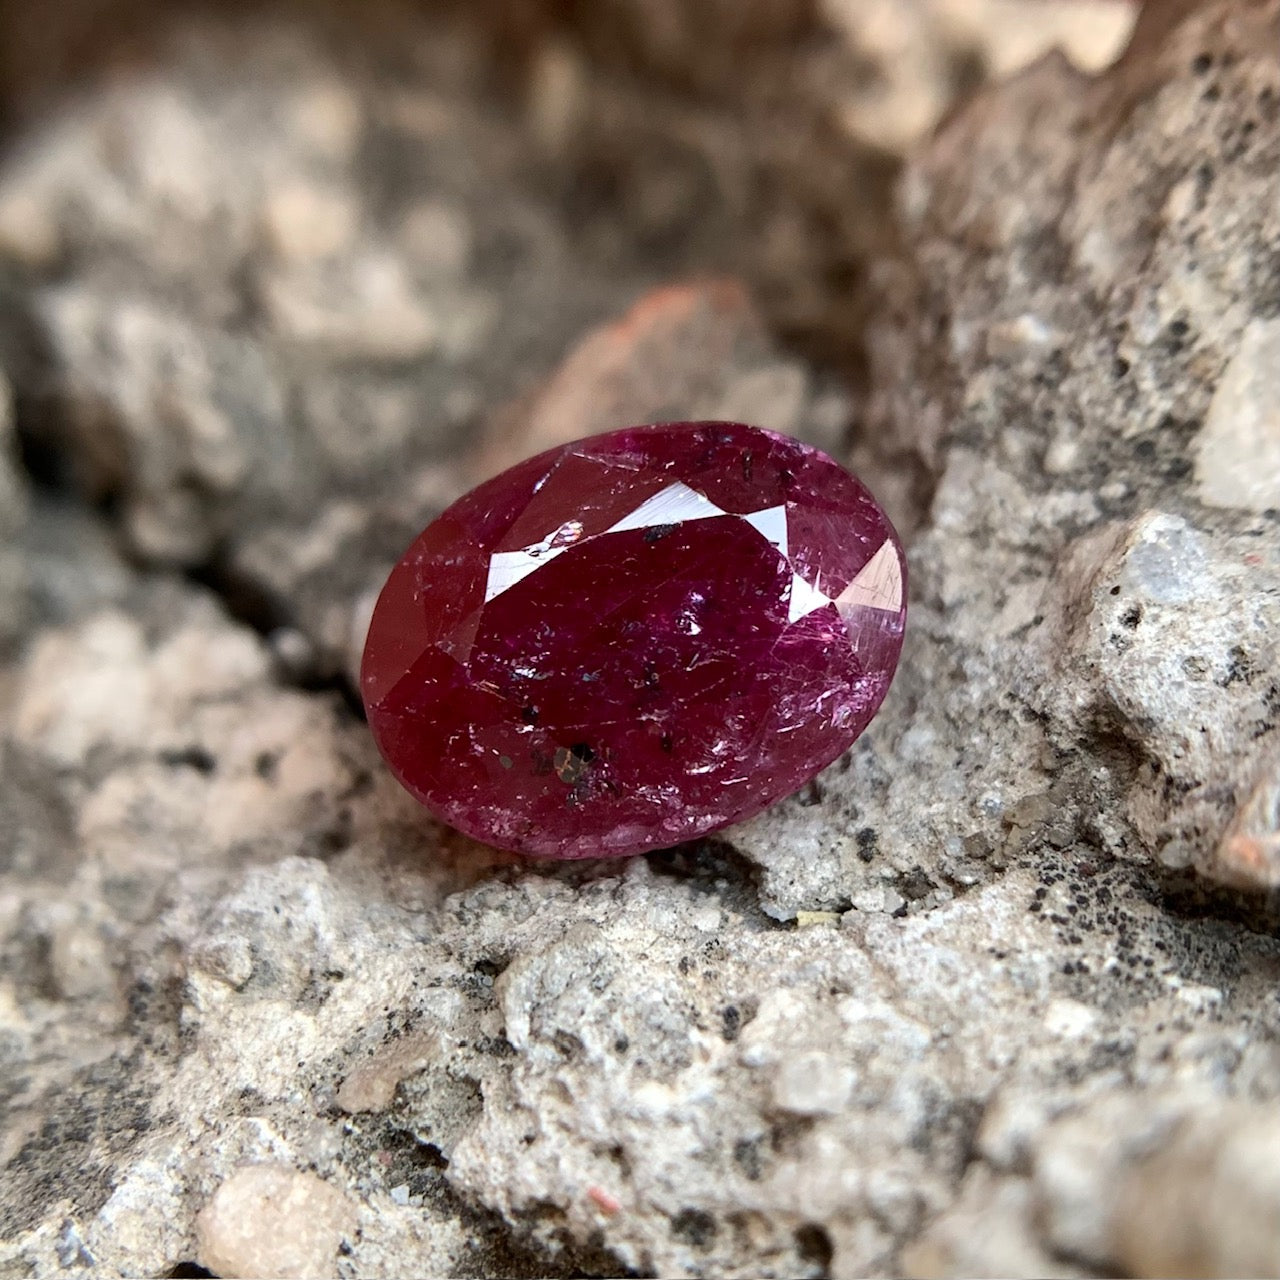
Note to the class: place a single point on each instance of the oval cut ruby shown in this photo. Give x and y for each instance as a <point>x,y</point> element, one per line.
<point>635,639</point>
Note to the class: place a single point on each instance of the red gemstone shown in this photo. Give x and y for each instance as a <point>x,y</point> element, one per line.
<point>636,639</point>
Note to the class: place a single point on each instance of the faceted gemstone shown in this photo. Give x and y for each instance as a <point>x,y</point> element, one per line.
<point>636,639</point>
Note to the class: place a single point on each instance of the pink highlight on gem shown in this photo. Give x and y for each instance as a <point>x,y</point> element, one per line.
<point>636,639</point>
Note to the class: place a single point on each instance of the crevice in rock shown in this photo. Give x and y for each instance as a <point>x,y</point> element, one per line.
<point>815,1248</point>
<point>246,601</point>
<point>505,1253</point>
<point>713,866</point>
<point>536,1244</point>
<point>27,363</point>
<point>1187,897</point>
<point>249,603</point>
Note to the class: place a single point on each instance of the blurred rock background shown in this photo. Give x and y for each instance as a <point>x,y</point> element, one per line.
<point>997,994</point>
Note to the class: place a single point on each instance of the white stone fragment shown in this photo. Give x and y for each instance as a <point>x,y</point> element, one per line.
<point>1238,449</point>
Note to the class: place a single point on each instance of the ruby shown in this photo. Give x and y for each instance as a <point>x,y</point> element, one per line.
<point>636,639</point>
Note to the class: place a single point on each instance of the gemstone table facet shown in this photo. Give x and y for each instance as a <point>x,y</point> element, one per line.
<point>636,639</point>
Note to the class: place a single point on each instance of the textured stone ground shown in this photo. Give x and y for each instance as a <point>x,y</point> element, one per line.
<point>998,994</point>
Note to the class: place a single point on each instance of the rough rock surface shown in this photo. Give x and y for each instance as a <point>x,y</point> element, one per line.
<point>780,121</point>
<point>996,995</point>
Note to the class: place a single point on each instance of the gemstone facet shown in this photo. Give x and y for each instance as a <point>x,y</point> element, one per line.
<point>635,639</point>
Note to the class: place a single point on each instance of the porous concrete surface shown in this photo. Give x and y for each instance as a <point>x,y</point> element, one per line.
<point>996,995</point>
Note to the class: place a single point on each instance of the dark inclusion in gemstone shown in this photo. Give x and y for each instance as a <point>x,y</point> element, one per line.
<point>636,639</point>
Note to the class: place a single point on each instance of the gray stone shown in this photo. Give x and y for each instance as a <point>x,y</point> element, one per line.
<point>766,132</point>
<point>1176,1184</point>
<point>1163,634</point>
<point>924,52</point>
<point>328,332</point>
<point>1238,450</point>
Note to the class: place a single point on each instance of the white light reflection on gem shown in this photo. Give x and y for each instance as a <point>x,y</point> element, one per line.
<point>673,505</point>
<point>877,586</point>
